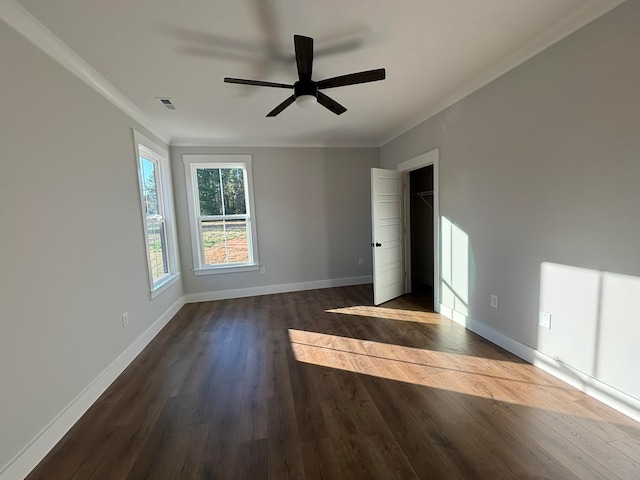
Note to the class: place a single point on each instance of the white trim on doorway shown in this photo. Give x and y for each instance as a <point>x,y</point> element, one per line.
<point>424,160</point>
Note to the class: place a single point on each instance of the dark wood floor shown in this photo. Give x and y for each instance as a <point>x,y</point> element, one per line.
<point>320,384</point>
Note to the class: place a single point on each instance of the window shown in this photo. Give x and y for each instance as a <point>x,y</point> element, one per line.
<point>223,233</point>
<point>157,213</point>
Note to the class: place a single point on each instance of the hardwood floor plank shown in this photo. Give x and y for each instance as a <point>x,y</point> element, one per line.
<point>320,460</point>
<point>285,456</point>
<point>115,457</point>
<point>420,441</point>
<point>253,458</point>
<point>351,411</point>
<point>220,457</point>
<point>254,405</point>
<point>307,403</point>
<point>617,462</point>
<point>630,446</point>
<point>171,455</point>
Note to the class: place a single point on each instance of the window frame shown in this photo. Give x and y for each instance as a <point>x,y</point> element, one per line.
<point>215,161</point>
<point>147,149</point>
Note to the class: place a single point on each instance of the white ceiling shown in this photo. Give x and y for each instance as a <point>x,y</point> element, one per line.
<point>434,51</point>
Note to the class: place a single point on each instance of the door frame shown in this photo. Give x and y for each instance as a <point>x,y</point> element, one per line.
<point>424,160</point>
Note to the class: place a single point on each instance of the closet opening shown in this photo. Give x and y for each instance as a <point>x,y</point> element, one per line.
<point>420,235</point>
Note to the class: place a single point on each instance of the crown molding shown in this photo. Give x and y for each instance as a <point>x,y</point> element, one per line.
<point>263,143</point>
<point>565,27</point>
<point>28,26</point>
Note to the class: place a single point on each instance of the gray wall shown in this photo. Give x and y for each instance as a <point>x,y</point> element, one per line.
<point>72,256</point>
<point>540,169</point>
<point>313,216</point>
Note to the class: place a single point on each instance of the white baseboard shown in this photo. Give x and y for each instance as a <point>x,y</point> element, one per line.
<point>37,449</point>
<point>271,289</point>
<point>607,394</point>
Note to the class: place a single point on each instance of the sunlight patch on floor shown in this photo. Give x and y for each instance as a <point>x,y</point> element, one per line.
<point>502,381</point>
<point>390,314</point>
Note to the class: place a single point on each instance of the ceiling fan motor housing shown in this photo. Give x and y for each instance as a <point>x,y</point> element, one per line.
<point>305,87</point>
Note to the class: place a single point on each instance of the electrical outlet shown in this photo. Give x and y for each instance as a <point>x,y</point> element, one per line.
<point>262,270</point>
<point>494,301</point>
<point>361,261</point>
<point>125,319</point>
<point>545,320</point>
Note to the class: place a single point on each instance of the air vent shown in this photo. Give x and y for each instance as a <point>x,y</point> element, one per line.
<point>166,101</point>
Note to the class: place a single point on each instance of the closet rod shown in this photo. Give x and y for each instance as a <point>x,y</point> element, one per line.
<point>422,196</point>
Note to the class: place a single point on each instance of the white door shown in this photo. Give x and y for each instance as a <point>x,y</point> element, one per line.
<point>387,241</point>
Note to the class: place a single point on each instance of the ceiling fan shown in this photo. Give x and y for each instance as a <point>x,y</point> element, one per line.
<point>306,92</point>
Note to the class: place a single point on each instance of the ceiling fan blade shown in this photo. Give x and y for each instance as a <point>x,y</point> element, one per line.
<point>257,83</point>
<point>331,104</point>
<point>353,78</point>
<point>282,106</point>
<point>304,56</point>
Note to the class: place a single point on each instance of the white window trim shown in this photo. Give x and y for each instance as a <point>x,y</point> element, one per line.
<point>145,148</point>
<point>191,163</point>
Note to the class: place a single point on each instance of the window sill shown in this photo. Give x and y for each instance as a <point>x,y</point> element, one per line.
<point>165,284</point>
<point>230,269</point>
